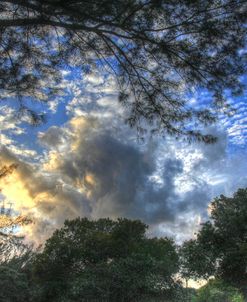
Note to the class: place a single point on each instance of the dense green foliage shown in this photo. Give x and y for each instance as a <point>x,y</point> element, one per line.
<point>220,248</point>
<point>218,291</point>
<point>158,50</point>
<point>101,260</point>
<point>15,277</point>
<point>106,260</point>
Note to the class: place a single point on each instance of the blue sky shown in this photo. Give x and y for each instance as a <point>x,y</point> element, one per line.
<point>84,161</point>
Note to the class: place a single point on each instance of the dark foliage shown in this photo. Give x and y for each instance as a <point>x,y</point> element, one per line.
<point>158,50</point>
<point>105,260</point>
<point>15,276</point>
<point>220,248</point>
<point>218,291</point>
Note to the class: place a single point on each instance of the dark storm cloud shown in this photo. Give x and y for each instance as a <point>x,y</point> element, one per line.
<point>90,170</point>
<point>121,173</point>
<point>52,137</point>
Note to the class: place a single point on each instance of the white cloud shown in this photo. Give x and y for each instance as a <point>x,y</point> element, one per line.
<point>93,165</point>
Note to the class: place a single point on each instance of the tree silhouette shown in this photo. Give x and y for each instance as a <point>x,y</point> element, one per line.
<point>6,170</point>
<point>220,248</point>
<point>158,50</point>
<point>105,260</point>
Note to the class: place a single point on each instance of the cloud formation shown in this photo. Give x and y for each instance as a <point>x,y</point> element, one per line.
<point>114,174</point>
<point>89,170</point>
<point>91,166</point>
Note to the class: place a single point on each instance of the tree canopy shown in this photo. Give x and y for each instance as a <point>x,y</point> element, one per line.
<point>220,248</point>
<point>159,51</point>
<point>218,291</point>
<point>105,260</point>
<point>89,260</point>
<point>15,277</point>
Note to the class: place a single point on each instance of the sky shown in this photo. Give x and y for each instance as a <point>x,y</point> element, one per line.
<point>85,161</point>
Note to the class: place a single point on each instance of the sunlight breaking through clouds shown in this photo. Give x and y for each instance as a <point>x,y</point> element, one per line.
<point>88,170</point>
<point>91,164</point>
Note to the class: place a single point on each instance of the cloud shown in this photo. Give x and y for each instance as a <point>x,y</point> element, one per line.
<point>92,165</point>
<point>96,174</point>
<point>115,174</point>
<point>90,169</point>
<point>40,196</point>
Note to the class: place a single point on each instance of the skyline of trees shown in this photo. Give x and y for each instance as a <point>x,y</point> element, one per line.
<point>114,260</point>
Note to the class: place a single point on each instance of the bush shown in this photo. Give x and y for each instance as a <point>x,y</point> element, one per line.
<point>218,291</point>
